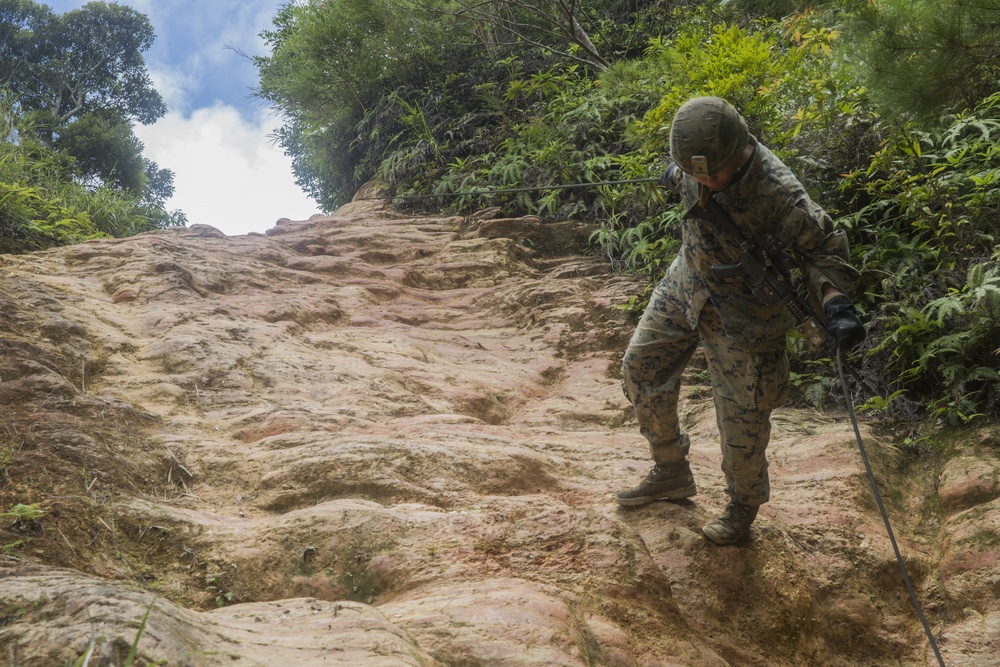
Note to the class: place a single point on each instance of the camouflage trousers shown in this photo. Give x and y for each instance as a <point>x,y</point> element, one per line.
<point>749,380</point>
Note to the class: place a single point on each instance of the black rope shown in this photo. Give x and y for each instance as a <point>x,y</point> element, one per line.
<point>881,508</point>
<point>512,190</point>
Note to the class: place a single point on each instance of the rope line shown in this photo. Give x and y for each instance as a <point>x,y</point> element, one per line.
<point>881,509</point>
<point>535,188</point>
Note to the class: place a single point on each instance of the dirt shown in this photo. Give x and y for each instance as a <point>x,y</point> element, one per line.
<point>378,439</point>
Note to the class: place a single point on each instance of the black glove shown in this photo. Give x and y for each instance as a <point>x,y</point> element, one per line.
<point>671,177</point>
<point>842,323</point>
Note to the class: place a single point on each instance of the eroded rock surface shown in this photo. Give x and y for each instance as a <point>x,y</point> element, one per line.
<point>371,439</point>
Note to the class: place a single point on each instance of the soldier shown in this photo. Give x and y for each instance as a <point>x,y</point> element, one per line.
<point>743,340</point>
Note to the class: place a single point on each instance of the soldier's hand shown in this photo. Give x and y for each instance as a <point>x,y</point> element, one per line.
<point>671,177</point>
<point>842,323</point>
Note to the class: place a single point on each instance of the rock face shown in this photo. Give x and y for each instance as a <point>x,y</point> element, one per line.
<point>371,439</point>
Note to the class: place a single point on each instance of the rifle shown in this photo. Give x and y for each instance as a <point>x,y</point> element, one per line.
<point>763,260</point>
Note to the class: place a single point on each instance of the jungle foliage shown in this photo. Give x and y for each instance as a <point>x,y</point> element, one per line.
<point>887,110</point>
<point>71,88</point>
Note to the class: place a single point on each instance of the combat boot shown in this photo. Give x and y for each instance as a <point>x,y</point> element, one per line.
<point>669,481</point>
<point>732,525</point>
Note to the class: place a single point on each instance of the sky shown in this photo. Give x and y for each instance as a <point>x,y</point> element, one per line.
<point>215,137</point>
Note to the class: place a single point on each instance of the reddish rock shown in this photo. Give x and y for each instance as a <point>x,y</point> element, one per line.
<point>379,439</point>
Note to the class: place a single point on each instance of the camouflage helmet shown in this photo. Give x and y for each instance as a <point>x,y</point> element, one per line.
<point>707,133</point>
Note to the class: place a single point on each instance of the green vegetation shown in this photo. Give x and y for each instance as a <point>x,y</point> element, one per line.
<point>888,111</point>
<point>24,519</point>
<point>11,548</point>
<point>133,653</point>
<point>23,513</point>
<point>134,649</point>
<point>215,585</point>
<point>71,167</point>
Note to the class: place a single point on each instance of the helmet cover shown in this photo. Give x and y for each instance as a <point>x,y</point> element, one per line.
<point>707,133</point>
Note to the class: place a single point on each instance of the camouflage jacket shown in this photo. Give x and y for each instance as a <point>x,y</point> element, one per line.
<point>766,197</point>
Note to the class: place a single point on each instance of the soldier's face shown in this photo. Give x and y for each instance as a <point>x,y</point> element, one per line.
<point>721,179</point>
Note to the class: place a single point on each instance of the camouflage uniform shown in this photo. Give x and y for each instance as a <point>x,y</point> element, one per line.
<point>743,340</point>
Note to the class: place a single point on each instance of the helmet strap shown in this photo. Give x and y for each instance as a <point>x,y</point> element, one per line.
<point>704,194</point>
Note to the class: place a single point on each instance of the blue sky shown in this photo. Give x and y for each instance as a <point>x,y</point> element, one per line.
<point>227,172</point>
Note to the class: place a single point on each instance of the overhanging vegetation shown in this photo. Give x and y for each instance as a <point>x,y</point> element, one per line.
<point>428,97</point>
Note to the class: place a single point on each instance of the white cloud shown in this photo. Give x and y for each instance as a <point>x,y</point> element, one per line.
<point>174,85</point>
<point>215,139</point>
<point>227,173</point>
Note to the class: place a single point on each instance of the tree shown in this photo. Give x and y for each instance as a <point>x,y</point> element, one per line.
<point>86,60</point>
<point>105,147</point>
<point>44,203</point>
<point>918,56</point>
<point>334,64</point>
<point>403,86</point>
<point>80,81</point>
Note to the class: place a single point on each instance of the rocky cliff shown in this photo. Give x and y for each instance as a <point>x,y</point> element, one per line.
<point>372,439</point>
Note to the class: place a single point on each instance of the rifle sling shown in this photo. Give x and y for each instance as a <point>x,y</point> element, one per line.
<point>711,211</point>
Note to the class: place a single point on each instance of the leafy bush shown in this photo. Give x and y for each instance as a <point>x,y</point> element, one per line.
<point>783,79</point>
<point>563,140</point>
<point>926,230</point>
<point>42,204</point>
